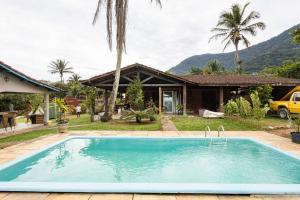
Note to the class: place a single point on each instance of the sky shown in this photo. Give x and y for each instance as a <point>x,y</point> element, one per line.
<point>35,32</point>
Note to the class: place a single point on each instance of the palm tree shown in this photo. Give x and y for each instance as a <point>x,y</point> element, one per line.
<point>60,67</point>
<point>195,71</point>
<point>214,67</point>
<point>75,87</point>
<point>234,25</point>
<point>296,36</point>
<point>119,7</point>
<point>75,78</point>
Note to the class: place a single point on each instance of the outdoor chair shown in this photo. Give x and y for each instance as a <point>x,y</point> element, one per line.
<point>3,122</point>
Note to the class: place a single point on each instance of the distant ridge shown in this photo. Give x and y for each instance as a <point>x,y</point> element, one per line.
<point>269,53</point>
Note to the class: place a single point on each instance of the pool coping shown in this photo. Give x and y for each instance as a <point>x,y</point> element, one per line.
<point>207,188</point>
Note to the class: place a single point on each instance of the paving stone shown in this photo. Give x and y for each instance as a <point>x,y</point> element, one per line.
<point>197,197</point>
<point>25,196</point>
<point>3,194</point>
<point>111,197</point>
<point>68,196</point>
<point>153,197</point>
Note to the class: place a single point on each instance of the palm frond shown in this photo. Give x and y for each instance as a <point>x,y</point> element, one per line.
<point>246,41</point>
<point>244,9</point>
<point>253,15</point>
<point>217,36</point>
<point>227,44</point>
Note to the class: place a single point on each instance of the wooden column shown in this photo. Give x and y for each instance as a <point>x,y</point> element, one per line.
<point>159,99</point>
<point>221,100</point>
<point>46,108</point>
<point>184,99</point>
<point>105,101</point>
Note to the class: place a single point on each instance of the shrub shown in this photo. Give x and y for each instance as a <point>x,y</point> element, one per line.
<point>135,95</point>
<point>264,93</point>
<point>231,108</point>
<point>138,115</point>
<point>244,107</point>
<point>258,111</point>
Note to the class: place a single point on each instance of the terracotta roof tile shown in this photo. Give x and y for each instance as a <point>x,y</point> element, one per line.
<point>240,80</point>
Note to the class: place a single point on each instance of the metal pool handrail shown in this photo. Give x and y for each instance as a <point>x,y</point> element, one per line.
<point>207,131</point>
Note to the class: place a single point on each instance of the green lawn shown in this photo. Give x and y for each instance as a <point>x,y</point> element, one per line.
<point>82,123</point>
<point>230,124</point>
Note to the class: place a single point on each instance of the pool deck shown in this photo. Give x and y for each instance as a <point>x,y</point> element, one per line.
<point>21,149</point>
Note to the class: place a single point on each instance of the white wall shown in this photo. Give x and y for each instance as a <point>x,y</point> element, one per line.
<point>16,85</point>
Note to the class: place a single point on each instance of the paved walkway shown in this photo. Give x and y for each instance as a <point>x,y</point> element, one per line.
<point>20,128</point>
<point>167,124</point>
<point>16,151</point>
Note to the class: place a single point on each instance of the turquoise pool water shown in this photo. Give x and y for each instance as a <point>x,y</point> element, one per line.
<point>154,160</point>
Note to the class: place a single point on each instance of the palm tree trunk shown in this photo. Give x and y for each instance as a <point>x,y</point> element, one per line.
<point>238,60</point>
<point>113,96</point>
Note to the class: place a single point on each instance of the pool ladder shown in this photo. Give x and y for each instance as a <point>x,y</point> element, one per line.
<point>221,131</point>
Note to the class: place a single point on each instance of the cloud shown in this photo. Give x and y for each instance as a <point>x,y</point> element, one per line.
<point>33,33</point>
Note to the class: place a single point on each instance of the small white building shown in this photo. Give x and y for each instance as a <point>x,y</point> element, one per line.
<point>13,81</point>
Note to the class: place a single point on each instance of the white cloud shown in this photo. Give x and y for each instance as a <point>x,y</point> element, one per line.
<point>35,32</point>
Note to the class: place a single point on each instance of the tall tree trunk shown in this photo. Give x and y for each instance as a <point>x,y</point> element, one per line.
<point>113,96</point>
<point>238,60</point>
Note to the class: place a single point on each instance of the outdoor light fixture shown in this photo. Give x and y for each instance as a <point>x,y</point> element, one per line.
<point>6,78</point>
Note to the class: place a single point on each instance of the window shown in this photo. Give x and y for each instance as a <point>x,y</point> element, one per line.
<point>297,97</point>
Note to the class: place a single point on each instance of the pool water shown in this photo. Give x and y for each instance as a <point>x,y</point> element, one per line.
<point>156,160</point>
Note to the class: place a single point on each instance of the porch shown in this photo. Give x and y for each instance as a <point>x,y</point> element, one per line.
<point>166,91</point>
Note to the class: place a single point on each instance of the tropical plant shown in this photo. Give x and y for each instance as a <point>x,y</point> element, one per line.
<point>258,111</point>
<point>244,107</point>
<point>139,115</point>
<point>264,93</point>
<point>60,67</point>
<point>91,96</point>
<point>179,108</point>
<point>195,71</point>
<point>289,69</point>
<point>214,67</point>
<point>234,25</point>
<point>120,17</point>
<point>231,108</point>
<point>74,85</point>
<point>296,36</point>
<point>62,110</point>
<point>135,95</point>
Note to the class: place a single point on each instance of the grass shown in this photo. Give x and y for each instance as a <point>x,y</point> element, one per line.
<point>82,123</point>
<point>230,124</point>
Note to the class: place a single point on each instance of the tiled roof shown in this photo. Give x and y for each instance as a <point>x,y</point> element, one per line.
<point>240,80</point>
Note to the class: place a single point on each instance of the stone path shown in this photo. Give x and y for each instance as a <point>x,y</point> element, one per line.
<point>21,149</point>
<point>167,124</point>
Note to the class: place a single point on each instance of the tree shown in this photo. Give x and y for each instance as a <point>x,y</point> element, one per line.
<point>214,67</point>
<point>234,25</point>
<point>120,17</point>
<point>135,95</point>
<point>75,78</point>
<point>74,85</point>
<point>195,70</point>
<point>60,67</point>
<point>296,36</point>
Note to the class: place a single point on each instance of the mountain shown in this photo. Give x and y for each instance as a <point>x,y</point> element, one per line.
<point>269,53</point>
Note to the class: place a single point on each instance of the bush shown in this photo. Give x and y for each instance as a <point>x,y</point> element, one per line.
<point>135,95</point>
<point>264,93</point>
<point>258,111</point>
<point>244,107</point>
<point>231,108</point>
<point>149,113</point>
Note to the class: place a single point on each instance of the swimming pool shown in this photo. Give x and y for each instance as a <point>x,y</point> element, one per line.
<point>155,165</point>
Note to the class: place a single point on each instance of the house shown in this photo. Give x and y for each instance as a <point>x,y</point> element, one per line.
<point>191,91</point>
<point>14,81</point>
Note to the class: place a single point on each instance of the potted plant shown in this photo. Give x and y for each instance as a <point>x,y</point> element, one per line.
<point>296,133</point>
<point>179,108</point>
<point>62,121</point>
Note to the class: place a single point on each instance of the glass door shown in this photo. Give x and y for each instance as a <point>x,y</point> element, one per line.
<point>168,101</point>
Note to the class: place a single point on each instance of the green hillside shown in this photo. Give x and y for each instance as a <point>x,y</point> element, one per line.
<point>269,53</point>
